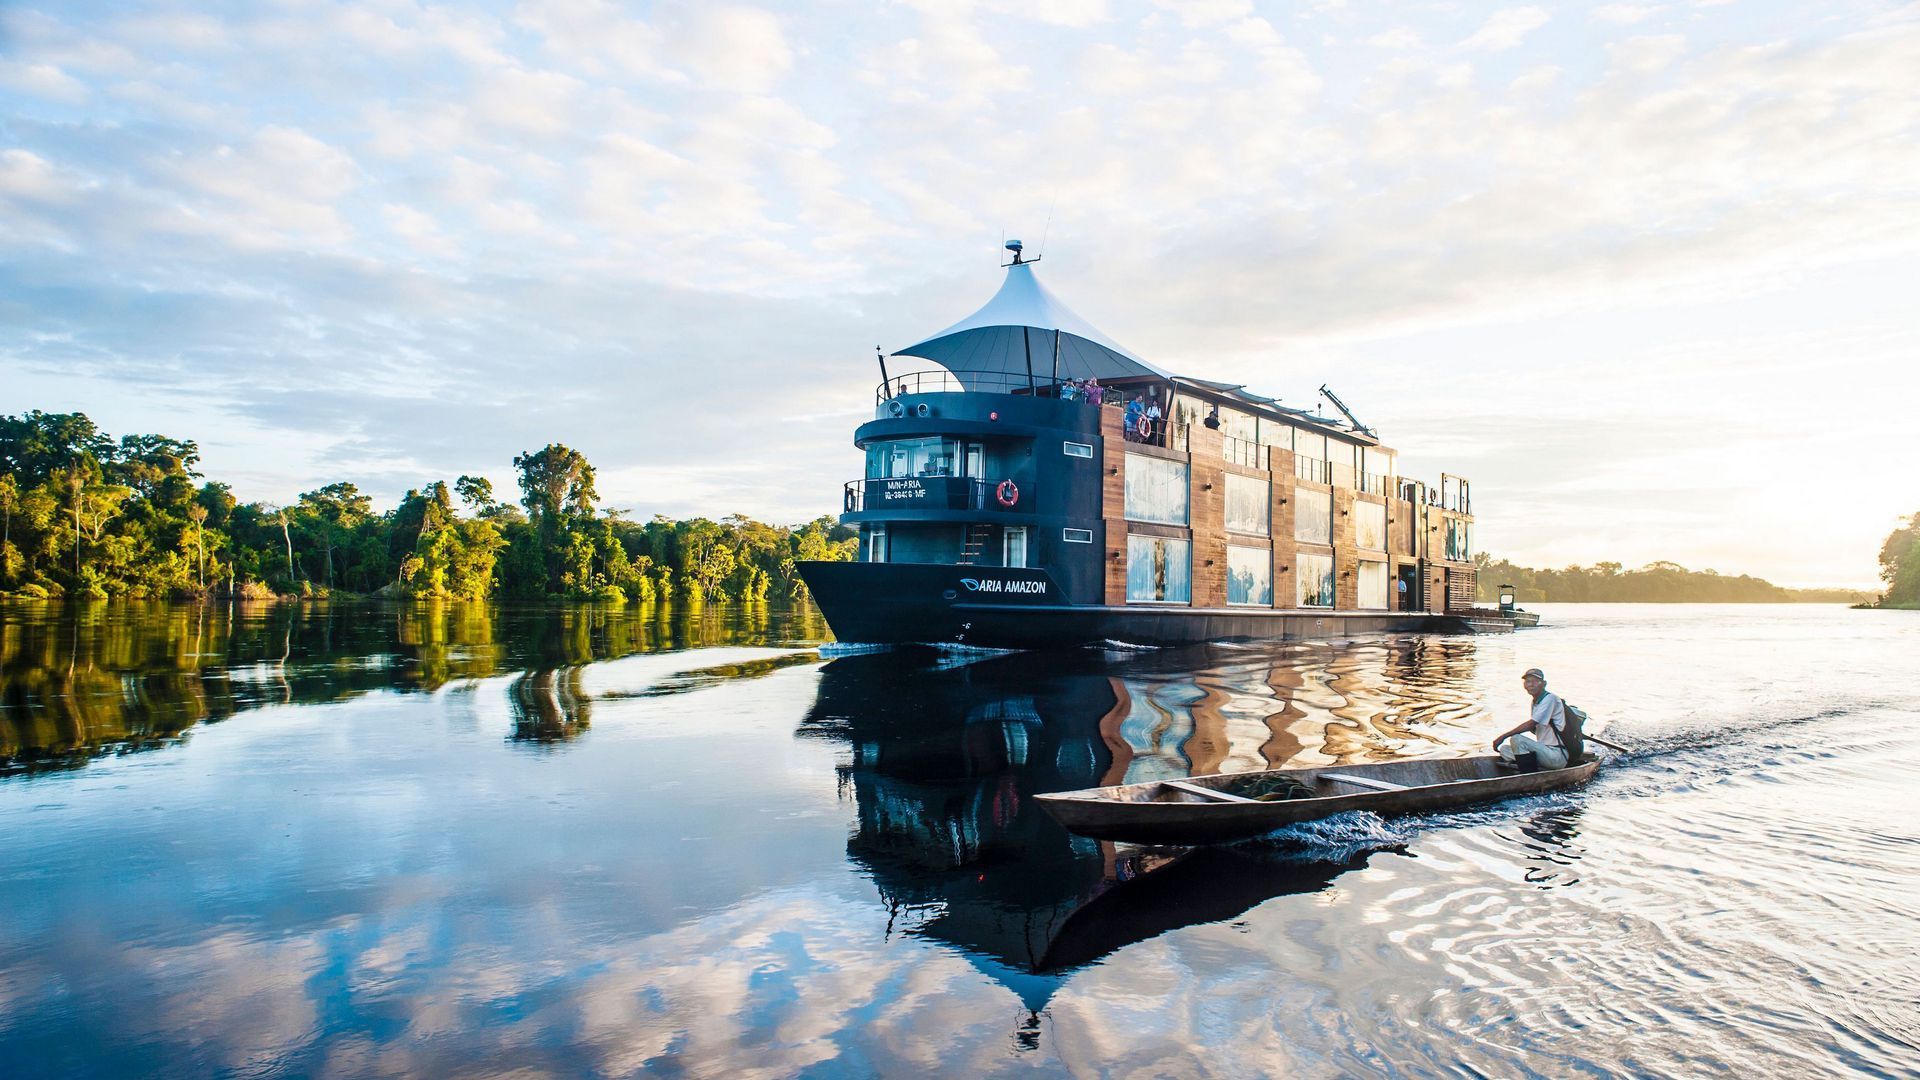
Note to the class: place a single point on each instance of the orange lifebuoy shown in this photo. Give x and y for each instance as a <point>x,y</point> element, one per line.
<point>1008,493</point>
<point>1144,427</point>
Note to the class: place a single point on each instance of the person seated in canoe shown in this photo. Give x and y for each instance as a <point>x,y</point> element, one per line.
<point>1536,744</point>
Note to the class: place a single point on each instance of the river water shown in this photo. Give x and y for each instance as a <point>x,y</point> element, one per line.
<point>340,840</point>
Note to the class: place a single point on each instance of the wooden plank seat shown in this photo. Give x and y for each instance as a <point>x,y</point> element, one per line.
<point>1208,793</point>
<point>1363,781</point>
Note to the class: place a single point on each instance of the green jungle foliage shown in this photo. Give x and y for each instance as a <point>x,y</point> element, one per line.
<point>1900,565</point>
<point>85,515</point>
<point>1654,583</point>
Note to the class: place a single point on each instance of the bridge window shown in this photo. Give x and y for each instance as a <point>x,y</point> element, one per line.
<point>913,457</point>
<point>1077,449</point>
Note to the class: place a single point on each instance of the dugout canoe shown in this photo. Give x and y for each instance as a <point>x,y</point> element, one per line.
<point>1210,809</point>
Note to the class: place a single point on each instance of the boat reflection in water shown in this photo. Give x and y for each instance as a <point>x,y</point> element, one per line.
<point>944,756</point>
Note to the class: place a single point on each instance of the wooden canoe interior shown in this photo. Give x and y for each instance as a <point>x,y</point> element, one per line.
<point>1329,781</point>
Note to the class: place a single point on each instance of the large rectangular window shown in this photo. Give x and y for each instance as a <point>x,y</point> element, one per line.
<point>1314,580</point>
<point>1370,526</point>
<point>1159,570</point>
<point>1249,576</point>
<point>1459,541</point>
<point>1249,506</point>
<point>1312,516</point>
<point>1373,585</point>
<point>915,457</point>
<point>1156,490</point>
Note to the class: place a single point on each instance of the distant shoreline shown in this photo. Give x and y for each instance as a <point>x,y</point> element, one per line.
<point>1655,583</point>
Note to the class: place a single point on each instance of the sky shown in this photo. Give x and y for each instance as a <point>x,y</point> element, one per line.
<point>1645,273</point>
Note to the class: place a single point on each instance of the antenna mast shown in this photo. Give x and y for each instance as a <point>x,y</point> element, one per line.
<point>1348,413</point>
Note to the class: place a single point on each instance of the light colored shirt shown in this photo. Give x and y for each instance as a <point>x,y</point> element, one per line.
<point>1549,719</point>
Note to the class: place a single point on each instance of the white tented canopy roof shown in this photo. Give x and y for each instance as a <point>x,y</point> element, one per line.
<point>985,348</point>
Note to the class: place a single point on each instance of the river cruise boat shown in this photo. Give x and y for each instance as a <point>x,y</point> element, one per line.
<point>1030,483</point>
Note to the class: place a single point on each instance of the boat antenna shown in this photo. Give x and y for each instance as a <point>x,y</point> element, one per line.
<point>1348,413</point>
<point>1045,229</point>
<point>1017,247</point>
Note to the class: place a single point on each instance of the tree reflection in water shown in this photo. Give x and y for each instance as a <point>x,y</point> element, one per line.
<point>84,680</point>
<point>549,705</point>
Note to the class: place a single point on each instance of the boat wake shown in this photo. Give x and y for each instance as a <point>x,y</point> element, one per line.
<point>835,649</point>
<point>1341,838</point>
<point>1113,646</point>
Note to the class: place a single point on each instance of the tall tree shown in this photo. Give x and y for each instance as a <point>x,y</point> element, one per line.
<point>1900,565</point>
<point>556,487</point>
<point>476,492</point>
<point>335,510</point>
<point>198,515</point>
<point>555,480</point>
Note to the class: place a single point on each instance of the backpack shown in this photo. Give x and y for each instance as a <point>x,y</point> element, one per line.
<point>1573,736</point>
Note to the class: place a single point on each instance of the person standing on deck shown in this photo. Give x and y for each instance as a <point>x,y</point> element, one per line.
<point>1539,737</point>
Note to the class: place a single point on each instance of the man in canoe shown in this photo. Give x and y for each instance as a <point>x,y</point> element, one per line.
<point>1536,743</point>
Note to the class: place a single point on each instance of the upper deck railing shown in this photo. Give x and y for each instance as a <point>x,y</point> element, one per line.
<point>992,382</point>
<point>1245,452</point>
<point>936,493</point>
<point>1139,427</point>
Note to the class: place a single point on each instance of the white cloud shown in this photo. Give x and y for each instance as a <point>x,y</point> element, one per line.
<point>418,228</point>
<point>1507,28</point>
<point>733,48</point>
<point>43,81</point>
<point>1646,55</point>
<point>1199,13</point>
<point>1626,14</point>
<point>281,185</point>
<point>1398,37</point>
<point>26,175</point>
<point>538,103</point>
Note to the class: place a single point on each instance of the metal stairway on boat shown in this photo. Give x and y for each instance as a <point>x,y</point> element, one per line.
<point>977,536</point>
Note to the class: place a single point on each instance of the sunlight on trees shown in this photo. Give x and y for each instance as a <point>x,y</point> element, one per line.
<point>83,515</point>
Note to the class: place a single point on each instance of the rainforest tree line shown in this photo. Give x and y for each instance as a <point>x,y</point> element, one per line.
<point>1654,583</point>
<point>84,514</point>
